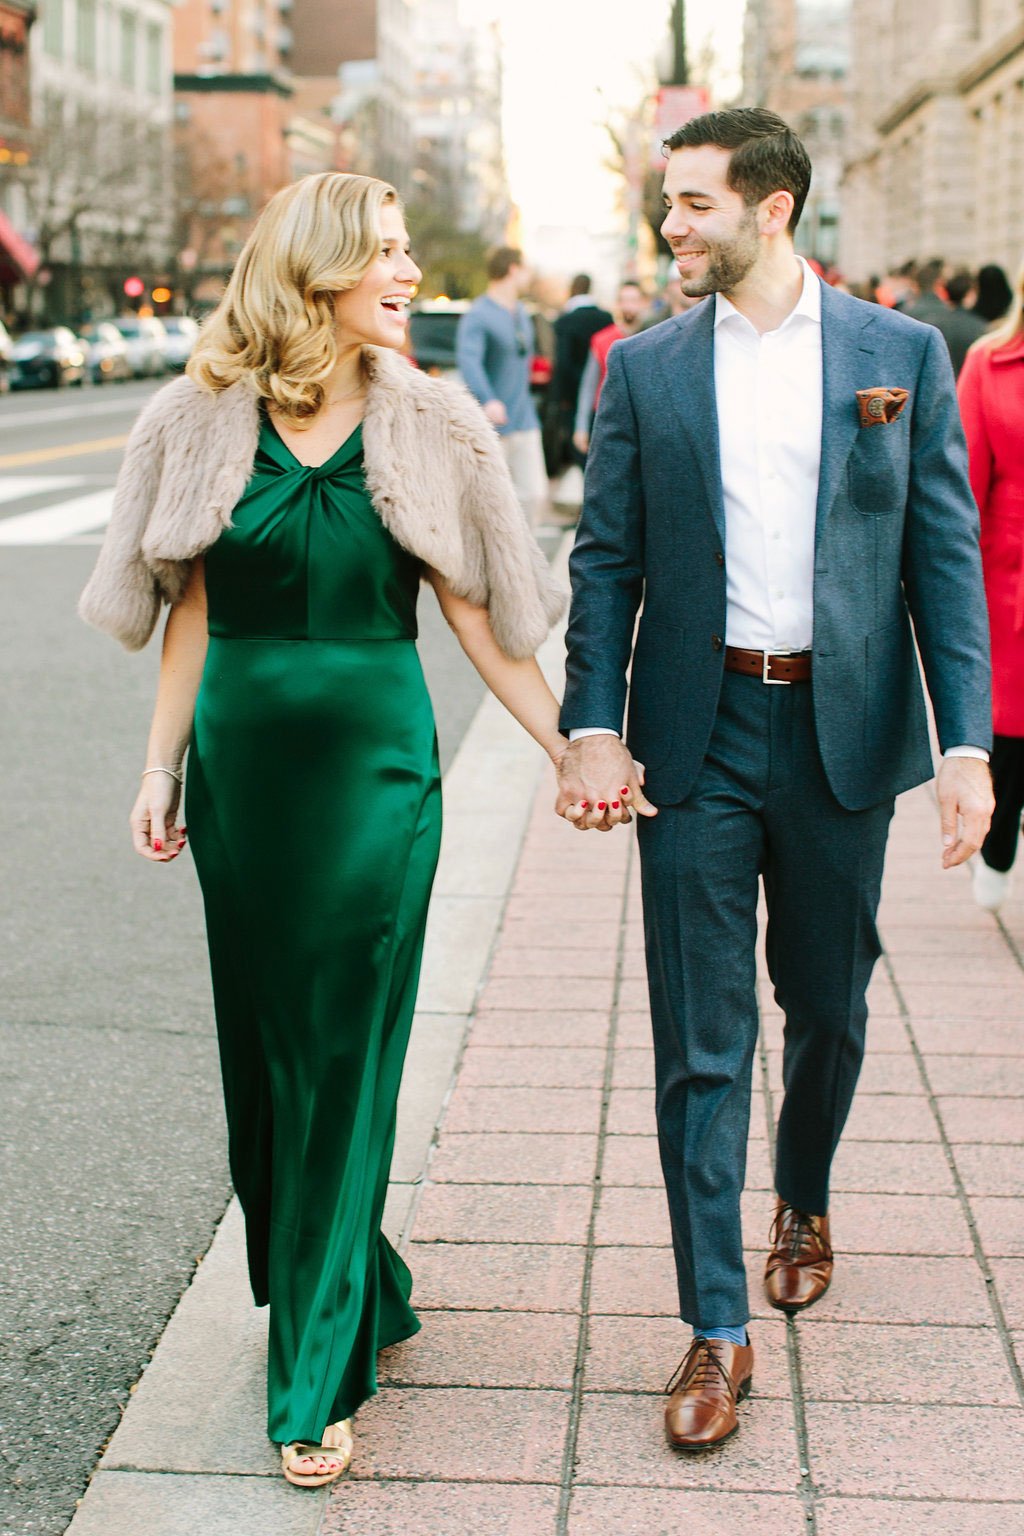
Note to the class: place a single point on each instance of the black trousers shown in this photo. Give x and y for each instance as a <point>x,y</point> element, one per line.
<point>1000,846</point>
<point>761,807</point>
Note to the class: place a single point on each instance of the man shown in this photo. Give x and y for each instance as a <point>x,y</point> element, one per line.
<point>759,480</point>
<point>493,349</point>
<point>575,327</point>
<point>937,306</point>
<point>630,308</point>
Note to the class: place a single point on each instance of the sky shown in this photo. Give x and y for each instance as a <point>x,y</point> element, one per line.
<point>569,66</point>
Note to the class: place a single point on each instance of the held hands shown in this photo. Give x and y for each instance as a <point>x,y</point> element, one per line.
<point>599,784</point>
<point>966,803</point>
<point>155,834</point>
<point>496,413</point>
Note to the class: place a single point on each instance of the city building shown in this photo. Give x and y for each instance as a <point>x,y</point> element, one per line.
<point>97,205</point>
<point>458,148</point>
<point>936,153</point>
<point>796,56</point>
<point>18,259</point>
<point>353,64</point>
<point>232,109</point>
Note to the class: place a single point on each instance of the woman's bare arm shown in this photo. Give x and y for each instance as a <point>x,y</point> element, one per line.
<point>155,834</point>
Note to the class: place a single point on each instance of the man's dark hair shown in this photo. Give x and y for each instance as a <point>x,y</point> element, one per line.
<point>959,286</point>
<point>501,260</point>
<point>580,284</point>
<point>765,154</point>
<point>929,273</point>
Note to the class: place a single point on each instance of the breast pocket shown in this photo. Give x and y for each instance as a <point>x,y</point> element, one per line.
<point>877,471</point>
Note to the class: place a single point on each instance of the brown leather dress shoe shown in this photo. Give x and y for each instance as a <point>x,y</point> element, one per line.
<point>799,1267</point>
<point>713,1377</point>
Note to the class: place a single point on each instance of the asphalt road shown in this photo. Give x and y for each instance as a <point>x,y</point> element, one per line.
<point>112,1162</point>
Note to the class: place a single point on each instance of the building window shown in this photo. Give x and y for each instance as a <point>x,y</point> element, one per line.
<point>154,60</point>
<point>128,37</point>
<point>53,28</point>
<point>85,41</point>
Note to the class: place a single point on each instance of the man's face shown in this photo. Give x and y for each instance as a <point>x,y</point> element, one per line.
<point>631,302</point>
<point>713,233</point>
<point>520,275</point>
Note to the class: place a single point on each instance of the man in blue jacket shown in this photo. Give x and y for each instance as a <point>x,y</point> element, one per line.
<point>494,349</point>
<point>779,477</point>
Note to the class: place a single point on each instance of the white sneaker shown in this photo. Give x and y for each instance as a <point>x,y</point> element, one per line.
<point>991,886</point>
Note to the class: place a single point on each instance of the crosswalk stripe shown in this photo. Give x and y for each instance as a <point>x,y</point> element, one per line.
<point>14,487</point>
<point>51,524</point>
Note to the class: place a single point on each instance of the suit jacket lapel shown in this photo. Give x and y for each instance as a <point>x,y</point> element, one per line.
<point>688,367</point>
<point>847,365</point>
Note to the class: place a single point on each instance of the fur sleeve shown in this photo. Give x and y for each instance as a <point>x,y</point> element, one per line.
<point>512,576</point>
<point>122,596</point>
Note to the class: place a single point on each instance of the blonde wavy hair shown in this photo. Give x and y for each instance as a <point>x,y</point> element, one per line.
<point>275,323</point>
<point>1010,326</point>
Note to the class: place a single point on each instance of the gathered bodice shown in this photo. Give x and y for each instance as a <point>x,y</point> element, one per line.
<point>306,556</point>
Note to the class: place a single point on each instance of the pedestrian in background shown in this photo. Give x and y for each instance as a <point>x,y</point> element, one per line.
<point>287,498</point>
<point>493,348</point>
<point>994,294</point>
<point>630,309</point>
<point>991,391</point>
<point>964,326</point>
<point>575,327</point>
<point>958,327</point>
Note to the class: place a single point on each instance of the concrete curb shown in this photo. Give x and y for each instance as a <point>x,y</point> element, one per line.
<point>190,1453</point>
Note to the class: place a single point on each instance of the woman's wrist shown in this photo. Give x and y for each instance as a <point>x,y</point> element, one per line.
<point>557,748</point>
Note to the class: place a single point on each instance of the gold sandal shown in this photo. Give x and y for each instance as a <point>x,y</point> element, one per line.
<point>297,1450</point>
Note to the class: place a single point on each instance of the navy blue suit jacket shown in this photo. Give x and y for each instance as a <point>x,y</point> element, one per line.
<point>896,540</point>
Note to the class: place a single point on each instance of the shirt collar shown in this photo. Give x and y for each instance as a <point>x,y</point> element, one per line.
<point>808,305</point>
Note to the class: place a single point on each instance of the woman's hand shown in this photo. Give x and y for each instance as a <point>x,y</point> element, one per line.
<point>155,834</point>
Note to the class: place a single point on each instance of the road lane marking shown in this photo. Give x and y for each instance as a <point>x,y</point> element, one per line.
<point>80,411</point>
<point>52,524</point>
<point>66,451</point>
<point>14,487</point>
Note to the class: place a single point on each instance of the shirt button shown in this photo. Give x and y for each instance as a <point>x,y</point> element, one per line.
<point>719,557</point>
<point>716,642</point>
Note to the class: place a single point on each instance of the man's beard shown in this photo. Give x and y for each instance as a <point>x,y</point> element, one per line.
<point>729,262</point>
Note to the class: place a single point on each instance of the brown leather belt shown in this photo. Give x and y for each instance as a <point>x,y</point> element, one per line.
<point>795,668</point>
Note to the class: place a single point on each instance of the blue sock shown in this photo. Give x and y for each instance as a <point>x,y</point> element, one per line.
<point>731,1335</point>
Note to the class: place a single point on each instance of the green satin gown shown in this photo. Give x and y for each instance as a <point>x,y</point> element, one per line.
<point>314,816</point>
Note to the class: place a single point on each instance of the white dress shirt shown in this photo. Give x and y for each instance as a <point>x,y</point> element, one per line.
<point>768,395</point>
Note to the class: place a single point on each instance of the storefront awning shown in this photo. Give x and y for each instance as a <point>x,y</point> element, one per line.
<point>18,259</point>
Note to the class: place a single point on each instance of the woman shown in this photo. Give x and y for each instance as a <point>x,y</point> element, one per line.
<point>994,295</point>
<point>285,499</point>
<point>991,391</point>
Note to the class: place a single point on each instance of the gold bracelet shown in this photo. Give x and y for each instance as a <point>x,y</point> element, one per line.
<point>164,770</point>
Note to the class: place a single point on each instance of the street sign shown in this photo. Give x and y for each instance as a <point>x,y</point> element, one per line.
<point>674,105</point>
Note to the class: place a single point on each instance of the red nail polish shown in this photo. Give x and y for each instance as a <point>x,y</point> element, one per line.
<point>158,846</point>
<point>624,791</point>
<point>584,805</point>
<point>602,805</point>
<point>181,842</point>
<point>615,805</point>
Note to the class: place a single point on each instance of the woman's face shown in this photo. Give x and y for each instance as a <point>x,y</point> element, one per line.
<point>376,311</point>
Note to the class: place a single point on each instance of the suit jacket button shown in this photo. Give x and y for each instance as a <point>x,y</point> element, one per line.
<point>716,642</point>
<point>719,557</point>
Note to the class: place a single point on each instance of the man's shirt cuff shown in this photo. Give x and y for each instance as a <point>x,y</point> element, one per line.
<point>591,730</point>
<point>978,752</point>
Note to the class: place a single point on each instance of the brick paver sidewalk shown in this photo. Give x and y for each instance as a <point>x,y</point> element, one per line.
<point>531,1402</point>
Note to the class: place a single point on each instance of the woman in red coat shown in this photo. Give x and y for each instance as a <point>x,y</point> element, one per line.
<point>991,390</point>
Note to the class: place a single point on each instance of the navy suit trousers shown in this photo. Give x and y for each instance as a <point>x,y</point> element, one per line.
<point>761,807</point>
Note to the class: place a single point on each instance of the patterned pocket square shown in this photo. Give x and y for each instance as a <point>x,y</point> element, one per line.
<point>880,405</point>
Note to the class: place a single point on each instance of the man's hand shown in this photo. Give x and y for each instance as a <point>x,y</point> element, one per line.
<point>966,803</point>
<point>496,413</point>
<point>599,784</point>
<point>581,442</point>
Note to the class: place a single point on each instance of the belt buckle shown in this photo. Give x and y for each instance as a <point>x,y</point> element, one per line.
<point>772,682</point>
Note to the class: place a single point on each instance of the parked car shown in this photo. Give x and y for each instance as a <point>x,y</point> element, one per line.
<point>107,358</point>
<point>47,359</point>
<point>5,358</point>
<point>432,328</point>
<point>146,340</point>
<point>182,331</point>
